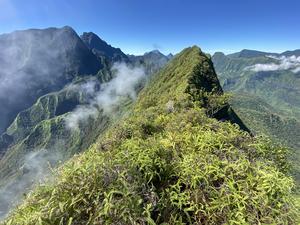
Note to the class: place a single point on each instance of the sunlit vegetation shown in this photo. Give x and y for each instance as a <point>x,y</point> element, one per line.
<point>170,162</point>
<point>267,101</point>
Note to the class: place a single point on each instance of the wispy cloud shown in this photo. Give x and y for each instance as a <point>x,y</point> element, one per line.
<point>124,84</point>
<point>34,168</point>
<point>32,63</point>
<point>296,70</point>
<point>291,63</point>
<point>157,46</point>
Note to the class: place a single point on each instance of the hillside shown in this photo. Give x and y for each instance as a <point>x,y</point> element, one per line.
<point>177,158</point>
<point>265,90</point>
<point>38,134</point>
<point>38,61</point>
<point>59,125</point>
<point>272,77</point>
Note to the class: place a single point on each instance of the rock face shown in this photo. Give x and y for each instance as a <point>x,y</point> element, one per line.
<point>35,62</point>
<point>101,48</point>
<point>35,66</point>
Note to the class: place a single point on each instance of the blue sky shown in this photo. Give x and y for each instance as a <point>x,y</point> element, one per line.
<point>137,26</point>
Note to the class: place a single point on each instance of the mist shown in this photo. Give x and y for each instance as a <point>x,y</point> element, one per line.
<point>291,63</point>
<point>124,84</point>
<point>35,168</point>
<point>35,62</point>
<point>32,63</point>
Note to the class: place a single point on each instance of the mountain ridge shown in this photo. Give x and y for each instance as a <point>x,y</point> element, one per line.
<point>168,159</point>
<point>248,53</point>
<point>46,60</point>
<point>101,48</point>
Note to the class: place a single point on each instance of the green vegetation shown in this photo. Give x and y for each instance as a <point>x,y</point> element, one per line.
<point>42,126</point>
<point>170,162</point>
<point>268,102</point>
<point>39,134</point>
<point>40,130</point>
<point>263,118</point>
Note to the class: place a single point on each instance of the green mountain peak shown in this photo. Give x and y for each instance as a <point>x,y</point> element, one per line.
<point>170,161</point>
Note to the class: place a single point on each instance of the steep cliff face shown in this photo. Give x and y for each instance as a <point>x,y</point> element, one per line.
<point>101,49</point>
<point>170,161</point>
<point>152,61</point>
<point>35,62</point>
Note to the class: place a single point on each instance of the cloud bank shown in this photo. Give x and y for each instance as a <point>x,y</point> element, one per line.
<point>291,63</point>
<point>124,84</point>
<point>33,169</point>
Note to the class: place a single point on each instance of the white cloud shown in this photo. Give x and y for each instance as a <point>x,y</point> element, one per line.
<point>80,114</point>
<point>123,84</point>
<point>296,70</point>
<point>29,67</point>
<point>283,63</point>
<point>34,168</point>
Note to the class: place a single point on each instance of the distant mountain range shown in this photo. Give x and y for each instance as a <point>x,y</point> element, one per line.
<point>151,61</point>
<point>246,53</point>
